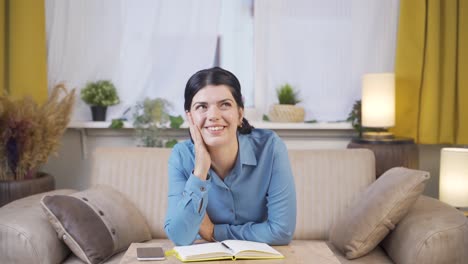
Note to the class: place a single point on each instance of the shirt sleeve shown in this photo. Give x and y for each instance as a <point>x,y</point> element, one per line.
<point>279,228</point>
<point>186,203</point>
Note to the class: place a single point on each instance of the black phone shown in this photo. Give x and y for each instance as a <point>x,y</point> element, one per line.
<point>150,253</point>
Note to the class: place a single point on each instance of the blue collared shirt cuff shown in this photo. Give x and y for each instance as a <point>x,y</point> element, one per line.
<point>198,190</point>
<point>220,232</point>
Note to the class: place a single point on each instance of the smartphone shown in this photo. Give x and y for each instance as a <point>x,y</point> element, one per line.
<point>150,253</point>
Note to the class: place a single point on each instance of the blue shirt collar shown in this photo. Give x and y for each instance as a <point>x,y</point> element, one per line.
<point>246,151</point>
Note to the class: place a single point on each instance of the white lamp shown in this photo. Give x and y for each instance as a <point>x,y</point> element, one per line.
<point>453,186</point>
<point>378,103</point>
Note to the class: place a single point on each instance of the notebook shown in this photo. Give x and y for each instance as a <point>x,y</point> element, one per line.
<point>227,249</point>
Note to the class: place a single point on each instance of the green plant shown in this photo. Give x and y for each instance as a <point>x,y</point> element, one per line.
<point>313,121</point>
<point>176,121</point>
<point>150,117</point>
<point>355,117</point>
<point>30,133</point>
<point>171,143</point>
<point>287,95</point>
<point>116,123</point>
<point>100,93</point>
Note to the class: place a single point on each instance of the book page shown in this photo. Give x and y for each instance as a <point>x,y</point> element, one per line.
<point>203,251</point>
<point>252,249</point>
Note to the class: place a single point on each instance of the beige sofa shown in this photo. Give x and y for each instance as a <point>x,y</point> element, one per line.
<point>326,183</point>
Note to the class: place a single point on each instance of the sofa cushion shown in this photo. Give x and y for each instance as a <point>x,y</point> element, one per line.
<point>371,217</point>
<point>115,259</point>
<point>96,223</point>
<point>432,232</point>
<point>375,256</point>
<point>141,175</point>
<point>326,183</point>
<point>26,235</point>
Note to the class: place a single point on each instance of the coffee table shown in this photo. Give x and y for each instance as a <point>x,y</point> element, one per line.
<point>299,251</point>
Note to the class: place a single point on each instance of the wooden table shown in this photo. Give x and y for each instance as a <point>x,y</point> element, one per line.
<point>299,251</point>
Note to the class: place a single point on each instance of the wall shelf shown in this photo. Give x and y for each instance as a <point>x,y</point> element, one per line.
<point>292,133</point>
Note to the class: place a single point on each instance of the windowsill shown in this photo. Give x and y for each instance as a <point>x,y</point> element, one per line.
<point>295,132</point>
<point>265,125</point>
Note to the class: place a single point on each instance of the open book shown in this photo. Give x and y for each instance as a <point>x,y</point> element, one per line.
<point>227,249</point>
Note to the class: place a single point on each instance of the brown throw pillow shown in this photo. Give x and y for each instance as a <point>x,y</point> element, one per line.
<point>383,204</point>
<point>96,223</point>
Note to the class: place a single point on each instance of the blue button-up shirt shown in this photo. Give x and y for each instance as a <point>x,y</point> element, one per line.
<point>256,201</point>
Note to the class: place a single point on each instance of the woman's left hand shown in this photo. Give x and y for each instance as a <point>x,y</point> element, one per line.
<point>206,229</point>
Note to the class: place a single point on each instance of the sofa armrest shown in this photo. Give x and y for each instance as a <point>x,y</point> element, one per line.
<point>431,232</point>
<point>26,236</point>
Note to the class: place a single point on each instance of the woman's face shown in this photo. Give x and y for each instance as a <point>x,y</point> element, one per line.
<point>215,112</point>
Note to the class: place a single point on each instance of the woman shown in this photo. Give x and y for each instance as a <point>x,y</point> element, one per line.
<point>230,181</point>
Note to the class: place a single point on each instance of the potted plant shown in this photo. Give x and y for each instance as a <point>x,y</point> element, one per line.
<point>29,134</point>
<point>286,110</point>
<point>355,117</point>
<point>99,95</point>
<point>151,116</point>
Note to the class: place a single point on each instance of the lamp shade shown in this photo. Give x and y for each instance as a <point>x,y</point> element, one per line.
<point>378,100</point>
<point>453,186</point>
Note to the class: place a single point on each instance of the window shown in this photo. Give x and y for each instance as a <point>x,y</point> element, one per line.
<point>236,32</point>
<point>320,47</point>
<point>150,48</point>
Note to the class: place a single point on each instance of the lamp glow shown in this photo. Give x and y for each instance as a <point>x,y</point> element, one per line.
<point>378,104</point>
<point>378,100</point>
<point>453,186</point>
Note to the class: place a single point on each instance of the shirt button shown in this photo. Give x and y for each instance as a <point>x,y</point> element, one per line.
<point>202,189</point>
<point>230,210</point>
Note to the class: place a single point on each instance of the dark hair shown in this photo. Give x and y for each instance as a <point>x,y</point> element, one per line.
<point>216,76</point>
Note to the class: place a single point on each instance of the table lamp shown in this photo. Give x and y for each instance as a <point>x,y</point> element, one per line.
<point>378,104</point>
<point>453,182</point>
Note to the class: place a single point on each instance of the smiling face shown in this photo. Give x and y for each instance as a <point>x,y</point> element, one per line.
<point>217,115</point>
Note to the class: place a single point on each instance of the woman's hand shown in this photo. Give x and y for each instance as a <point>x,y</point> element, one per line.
<point>206,229</point>
<point>202,156</point>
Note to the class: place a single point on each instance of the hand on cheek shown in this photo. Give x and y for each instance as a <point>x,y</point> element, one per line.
<point>202,156</point>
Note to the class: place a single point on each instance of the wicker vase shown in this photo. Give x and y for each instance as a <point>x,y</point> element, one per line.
<point>12,190</point>
<point>286,113</point>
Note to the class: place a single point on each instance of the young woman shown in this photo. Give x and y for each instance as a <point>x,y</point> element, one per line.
<point>230,181</point>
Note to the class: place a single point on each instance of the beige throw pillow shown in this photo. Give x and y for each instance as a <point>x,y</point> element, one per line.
<point>383,204</point>
<point>96,223</point>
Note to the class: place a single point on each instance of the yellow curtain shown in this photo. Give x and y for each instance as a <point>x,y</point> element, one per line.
<point>431,71</point>
<point>23,61</point>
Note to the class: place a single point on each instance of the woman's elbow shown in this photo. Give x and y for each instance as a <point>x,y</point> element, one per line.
<point>282,236</point>
<point>285,239</point>
<point>178,237</point>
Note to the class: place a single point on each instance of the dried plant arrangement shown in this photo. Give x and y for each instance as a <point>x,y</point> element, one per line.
<point>30,133</point>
